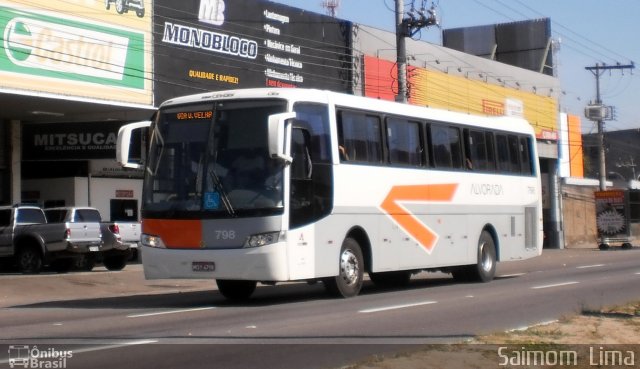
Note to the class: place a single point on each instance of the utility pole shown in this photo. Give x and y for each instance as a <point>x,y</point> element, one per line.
<point>401,50</point>
<point>599,113</point>
<point>408,27</point>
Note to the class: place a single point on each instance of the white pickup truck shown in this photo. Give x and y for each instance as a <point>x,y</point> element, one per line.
<point>113,251</point>
<point>33,242</point>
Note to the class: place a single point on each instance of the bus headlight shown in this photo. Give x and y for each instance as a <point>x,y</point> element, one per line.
<point>152,241</point>
<point>262,239</point>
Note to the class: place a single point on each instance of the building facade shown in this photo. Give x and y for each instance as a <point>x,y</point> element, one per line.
<point>68,82</point>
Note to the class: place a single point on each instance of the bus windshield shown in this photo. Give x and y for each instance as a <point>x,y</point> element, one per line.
<point>212,161</point>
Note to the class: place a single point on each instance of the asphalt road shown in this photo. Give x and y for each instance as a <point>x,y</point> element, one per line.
<point>114,319</point>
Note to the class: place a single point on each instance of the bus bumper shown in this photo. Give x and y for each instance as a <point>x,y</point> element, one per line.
<point>266,263</point>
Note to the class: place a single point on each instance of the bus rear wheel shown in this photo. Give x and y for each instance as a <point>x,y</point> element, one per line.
<point>350,277</point>
<point>485,269</point>
<point>236,290</point>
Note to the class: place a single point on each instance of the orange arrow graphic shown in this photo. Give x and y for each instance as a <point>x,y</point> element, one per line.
<point>420,232</point>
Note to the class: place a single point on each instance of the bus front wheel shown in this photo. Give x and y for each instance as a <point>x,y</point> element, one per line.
<point>236,290</point>
<point>350,277</point>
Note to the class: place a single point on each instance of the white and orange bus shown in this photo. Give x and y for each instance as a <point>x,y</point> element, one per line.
<point>272,185</point>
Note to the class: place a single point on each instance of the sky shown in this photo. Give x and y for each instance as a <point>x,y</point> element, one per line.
<point>588,32</point>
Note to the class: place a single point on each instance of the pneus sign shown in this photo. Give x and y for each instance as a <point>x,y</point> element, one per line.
<point>70,50</point>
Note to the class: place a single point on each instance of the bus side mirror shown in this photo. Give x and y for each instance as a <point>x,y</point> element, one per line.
<point>276,136</point>
<point>123,144</point>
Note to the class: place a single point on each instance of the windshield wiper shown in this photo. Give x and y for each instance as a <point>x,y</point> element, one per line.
<point>223,194</point>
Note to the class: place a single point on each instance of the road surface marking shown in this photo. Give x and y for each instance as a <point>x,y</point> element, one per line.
<point>590,266</point>
<point>170,312</point>
<point>511,275</point>
<point>554,285</point>
<point>541,324</point>
<point>395,307</point>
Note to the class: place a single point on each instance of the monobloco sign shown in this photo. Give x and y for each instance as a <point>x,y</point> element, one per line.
<point>210,45</point>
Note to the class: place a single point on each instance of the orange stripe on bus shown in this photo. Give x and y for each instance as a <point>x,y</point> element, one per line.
<point>417,193</point>
<point>176,234</point>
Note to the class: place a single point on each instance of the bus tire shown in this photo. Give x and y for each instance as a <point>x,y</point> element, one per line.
<point>485,268</point>
<point>236,290</point>
<point>350,278</point>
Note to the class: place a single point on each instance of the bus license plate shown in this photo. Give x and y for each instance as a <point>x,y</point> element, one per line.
<point>203,266</point>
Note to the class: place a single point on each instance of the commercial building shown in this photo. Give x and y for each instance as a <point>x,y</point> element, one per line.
<point>72,72</point>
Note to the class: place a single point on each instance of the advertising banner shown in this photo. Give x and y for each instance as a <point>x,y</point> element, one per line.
<point>77,49</point>
<point>441,90</point>
<point>612,216</point>
<point>208,45</point>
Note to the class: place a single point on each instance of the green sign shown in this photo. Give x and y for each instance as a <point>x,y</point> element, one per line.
<point>68,49</point>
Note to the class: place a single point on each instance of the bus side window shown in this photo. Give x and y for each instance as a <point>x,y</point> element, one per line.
<point>479,150</point>
<point>502,148</point>
<point>514,154</point>
<point>404,142</point>
<point>360,136</point>
<point>525,156</point>
<point>441,155</point>
<point>491,151</point>
<point>446,146</point>
<point>475,155</point>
